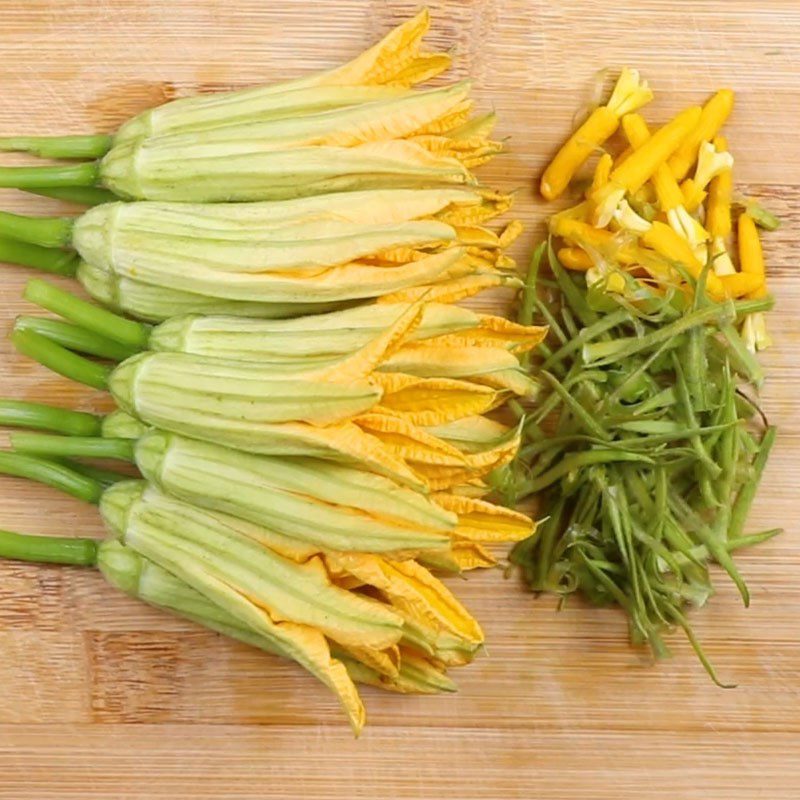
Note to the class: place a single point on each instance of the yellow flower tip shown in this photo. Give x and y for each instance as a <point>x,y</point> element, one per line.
<point>710,164</point>
<point>630,93</point>
<point>723,264</point>
<point>751,256</point>
<point>629,220</point>
<point>606,202</point>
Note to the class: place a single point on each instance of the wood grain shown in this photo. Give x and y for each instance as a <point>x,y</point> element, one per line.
<point>101,697</point>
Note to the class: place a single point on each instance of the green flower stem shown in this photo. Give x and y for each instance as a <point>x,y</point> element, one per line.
<point>89,316</point>
<point>52,474</point>
<point>50,446</point>
<point>744,500</point>
<point>719,313</point>
<point>48,549</point>
<point>93,146</point>
<point>84,195</point>
<point>105,477</point>
<point>58,262</point>
<point>34,177</point>
<point>44,231</point>
<point>60,360</point>
<point>575,461</point>
<point>73,337</point>
<point>22,414</point>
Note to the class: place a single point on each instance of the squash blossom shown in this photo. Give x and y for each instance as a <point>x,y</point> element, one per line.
<point>158,260</point>
<point>630,93</point>
<point>642,164</point>
<point>714,115</point>
<point>127,570</point>
<point>356,127</point>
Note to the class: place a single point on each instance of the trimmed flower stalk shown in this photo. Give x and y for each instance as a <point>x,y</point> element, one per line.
<point>630,93</point>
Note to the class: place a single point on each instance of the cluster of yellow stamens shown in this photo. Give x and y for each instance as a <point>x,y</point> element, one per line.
<point>660,211</point>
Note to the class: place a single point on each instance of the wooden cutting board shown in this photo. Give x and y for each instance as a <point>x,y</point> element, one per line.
<point>101,697</point>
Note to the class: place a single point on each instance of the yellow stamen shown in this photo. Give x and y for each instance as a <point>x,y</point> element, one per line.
<point>674,247</point>
<point>751,261</point>
<point>713,117</point>
<point>741,284</point>
<point>751,255</point>
<point>589,238</point>
<point>718,214</point>
<point>629,94</point>
<point>720,191</point>
<point>667,190</point>
<point>642,164</point>
<point>601,172</point>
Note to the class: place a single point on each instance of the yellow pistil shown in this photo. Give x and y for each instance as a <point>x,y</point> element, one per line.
<point>713,117</point>
<point>751,255</point>
<point>668,191</point>
<point>710,163</point>
<point>718,214</point>
<point>636,170</point>
<point>751,260</point>
<point>601,172</point>
<point>673,247</point>
<point>629,94</point>
<point>741,284</point>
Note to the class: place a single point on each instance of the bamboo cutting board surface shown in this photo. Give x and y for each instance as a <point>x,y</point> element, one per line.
<point>101,697</point>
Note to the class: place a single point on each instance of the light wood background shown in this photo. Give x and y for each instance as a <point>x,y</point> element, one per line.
<point>101,697</point>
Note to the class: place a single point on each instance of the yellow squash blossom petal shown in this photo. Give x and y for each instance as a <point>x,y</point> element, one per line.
<point>481,521</point>
<point>417,595</point>
<point>432,401</point>
<point>410,442</point>
<point>384,662</point>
